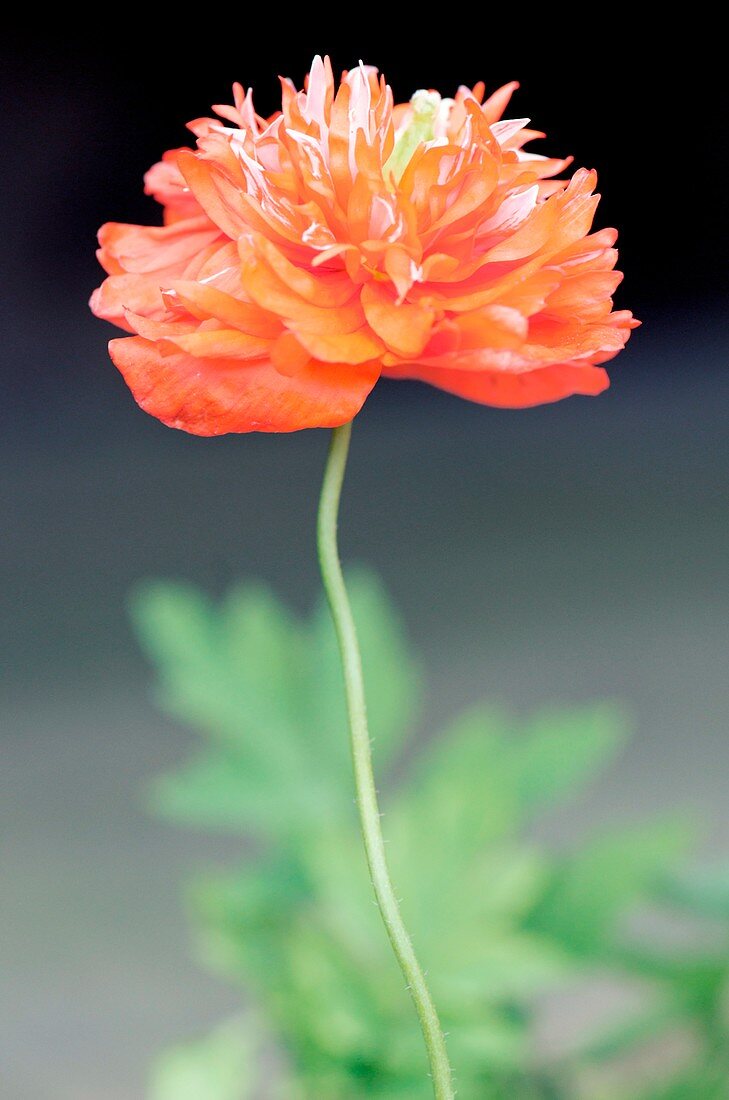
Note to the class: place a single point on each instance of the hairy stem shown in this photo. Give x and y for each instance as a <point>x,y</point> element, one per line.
<point>331,571</point>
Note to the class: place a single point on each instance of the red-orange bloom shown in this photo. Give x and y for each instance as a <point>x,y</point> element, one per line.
<point>345,237</point>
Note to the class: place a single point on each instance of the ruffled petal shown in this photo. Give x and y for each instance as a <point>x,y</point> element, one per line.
<point>404,328</point>
<point>213,396</point>
<point>506,390</point>
<point>345,347</point>
<point>144,249</point>
<point>120,293</point>
<point>204,301</point>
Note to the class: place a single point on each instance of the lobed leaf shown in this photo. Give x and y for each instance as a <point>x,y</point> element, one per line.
<point>225,1065</point>
<point>494,920</point>
<point>231,792</point>
<point>703,890</point>
<point>267,689</point>
<point>596,885</point>
<point>561,750</point>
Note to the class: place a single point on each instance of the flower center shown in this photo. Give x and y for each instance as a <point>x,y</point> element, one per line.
<point>420,128</point>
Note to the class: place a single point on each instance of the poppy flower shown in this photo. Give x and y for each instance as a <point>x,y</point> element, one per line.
<point>347,237</point>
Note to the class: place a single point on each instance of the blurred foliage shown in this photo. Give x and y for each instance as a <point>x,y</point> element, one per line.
<point>503,926</point>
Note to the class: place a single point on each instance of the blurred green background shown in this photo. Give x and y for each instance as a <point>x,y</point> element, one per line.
<point>565,554</point>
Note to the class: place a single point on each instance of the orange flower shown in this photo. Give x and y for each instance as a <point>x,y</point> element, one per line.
<point>346,237</point>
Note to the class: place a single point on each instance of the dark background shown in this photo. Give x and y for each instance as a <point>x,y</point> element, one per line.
<point>569,552</point>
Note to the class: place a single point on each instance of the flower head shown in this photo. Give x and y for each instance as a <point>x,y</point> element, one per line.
<point>347,237</point>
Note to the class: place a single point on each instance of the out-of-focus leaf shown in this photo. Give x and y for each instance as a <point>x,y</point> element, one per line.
<point>216,790</point>
<point>706,1080</point>
<point>340,1001</point>
<point>492,1040</point>
<point>595,886</point>
<point>640,1028</point>
<point>392,677</point>
<point>175,622</point>
<point>461,793</point>
<point>697,980</point>
<point>451,839</point>
<point>561,750</point>
<point>234,670</point>
<point>245,919</point>
<point>268,690</point>
<point>704,890</point>
<point>343,1008</point>
<point>225,790</point>
<point>264,646</point>
<point>178,628</point>
<point>498,968</point>
<point>494,919</point>
<point>222,1066</point>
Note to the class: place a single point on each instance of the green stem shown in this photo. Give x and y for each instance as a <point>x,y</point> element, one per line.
<point>369,813</point>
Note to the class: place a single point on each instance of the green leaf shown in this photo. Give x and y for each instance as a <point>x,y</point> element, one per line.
<point>228,792</point>
<point>706,1080</point>
<point>259,897</point>
<point>339,1002</point>
<point>442,830</point>
<point>492,1042</point>
<point>461,792</point>
<point>268,690</point>
<point>494,919</point>
<point>453,838</point>
<point>344,1013</point>
<point>661,1015</point>
<point>237,672</point>
<point>498,967</point>
<point>561,750</point>
<point>232,670</point>
<point>697,979</point>
<point>264,649</point>
<point>175,622</point>
<point>483,779</point>
<point>222,1066</point>
<point>704,890</point>
<point>178,628</point>
<point>591,889</point>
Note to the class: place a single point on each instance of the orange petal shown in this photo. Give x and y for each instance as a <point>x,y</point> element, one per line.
<point>204,301</point>
<point>154,248</point>
<point>511,391</point>
<point>205,341</point>
<point>164,181</point>
<point>199,176</point>
<point>225,343</point>
<point>270,292</point>
<point>494,326</point>
<point>404,328</point>
<point>532,235</point>
<point>587,296</point>
<point>321,288</point>
<point>346,347</point>
<point>498,101</point>
<point>213,397</point>
<point>138,293</point>
<point>288,355</point>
